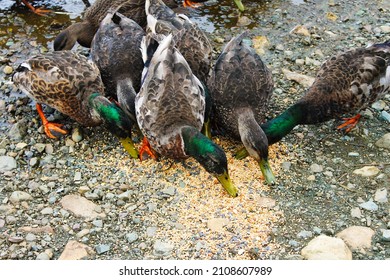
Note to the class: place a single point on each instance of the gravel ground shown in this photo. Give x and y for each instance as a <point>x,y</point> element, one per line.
<point>83,192</point>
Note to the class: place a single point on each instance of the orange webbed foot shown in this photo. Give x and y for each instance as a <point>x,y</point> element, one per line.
<point>55,128</point>
<point>349,123</point>
<point>145,148</point>
<point>189,3</point>
<point>38,11</point>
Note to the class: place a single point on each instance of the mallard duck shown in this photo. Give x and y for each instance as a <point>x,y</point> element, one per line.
<point>189,39</point>
<point>346,83</point>
<point>83,32</point>
<point>170,110</point>
<point>71,84</point>
<point>116,51</point>
<point>241,86</point>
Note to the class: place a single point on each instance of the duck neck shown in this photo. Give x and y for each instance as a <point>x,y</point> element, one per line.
<point>280,126</point>
<point>115,119</point>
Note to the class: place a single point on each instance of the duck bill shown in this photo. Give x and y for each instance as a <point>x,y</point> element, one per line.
<point>267,172</point>
<point>227,183</point>
<point>239,5</point>
<point>128,144</point>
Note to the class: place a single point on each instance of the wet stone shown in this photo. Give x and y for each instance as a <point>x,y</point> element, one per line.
<point>131,237</point>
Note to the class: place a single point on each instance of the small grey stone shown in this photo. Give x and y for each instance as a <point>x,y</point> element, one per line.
<point>18,196</point>
<point>20,146</point>
<point>30,237</point>
<point>286,165</point>
<point>34,162</point>
<point>386,235</point>
<point>49,149</point>
<point>91,195</point>
<point>379,105</point>
<point>293,243</point>
<point>162,248</point>
<point>151,231</point>
<point>132,237</point>
<point>169,191</point>
<point>353,154</point>
<point>7,163</point>
<point>381,195</point>
<point>15,239</point>
<point>98,223</point>
<point>47,211</point>
<point>2,223</point>
<point>2,105</point>
<point>18,131</point>
<point>386,116</point>
<point>77,176</point>
<point>43,256</point>
<point>316,168</point>
<point>384,141</point>
<point>40,147</point>
<point>305,234</point>
<point>369,205</point>
<point>317,230</point>
<point>10,219</point>
<point>102,248</point>
<point>356,212</point>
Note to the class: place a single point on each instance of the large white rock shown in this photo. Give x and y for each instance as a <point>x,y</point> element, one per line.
<point>7,163</point>
<point>326,248</point>
<point>357,237</point>
<point>81,207</point>
<point>75,251</point>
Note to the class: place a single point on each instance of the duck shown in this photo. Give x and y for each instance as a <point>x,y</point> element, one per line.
<point>346,83</point>
<point>84,31</point>
<point>170,110</point>
<point>115,50</point>
<point>190,40</point>
<point>241,87</point>
<point>71,84</point>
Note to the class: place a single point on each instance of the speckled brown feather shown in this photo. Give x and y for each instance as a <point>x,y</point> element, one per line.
<point>116,51</point>
<point>347,83</point>
<point>170,98</point>
<point>84,31</point>
<point>189,39</point>
<point>239,81</point>
<point>62,80</point>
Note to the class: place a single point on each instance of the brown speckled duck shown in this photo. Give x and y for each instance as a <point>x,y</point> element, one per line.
<point>116,51</point>
<point>241,86</point>
<point>189,39</point>
<point>170,110</point>
<point>71,84</point>
<point>346,83</point>
<point>83,32</point>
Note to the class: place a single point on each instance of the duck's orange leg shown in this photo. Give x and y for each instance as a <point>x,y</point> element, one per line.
<point>349,123</point>
<point>189,3</point>
<point>49,127</point>
<point>145,148</point>
<point>37,11</point>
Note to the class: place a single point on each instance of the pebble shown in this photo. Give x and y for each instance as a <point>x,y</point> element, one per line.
<point>77,135</point>
<point>217,224</point>
<point>15,239</point>
<point>7,163</point>
<point>40,147</point>
<point>102,248</point>
<point>353,154</point>
<point>34,162</point>
<point>305,234</point>
<point>75,251</point>
<point>2,223</point>
<point>311,178</point>
<point>379,105</point>
<point>356,212</point>
<point>357,237</point>
<point>43,256</point>
<point>293,243</point>
<point>98,223</point>
<point>286,165</point>
<point>385,28</point>
<point>169,191</point>
<point>326,248</point>
<point>301,79</point>
<point>80,206</point>
<point>18,196</point>
<point>151,231</point>
<point>30,237</point>
<point>369,205</point>
<point>8,70</point>
<point>386,235</point>
<point>301,30</point>
<point>316,168</point>
<point>47,211</point>
<point>266,202</point>
<point>384,141</point>
<point>77,176</point>
<point>2,105</point>
<point>386,116</point>
<point>367,171</point>
<point>162,248</point>
<point>82,233</point>
<point>18,131</point>
<point>381,195</point>
<point>49,149</point>
<point>132,237</point>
